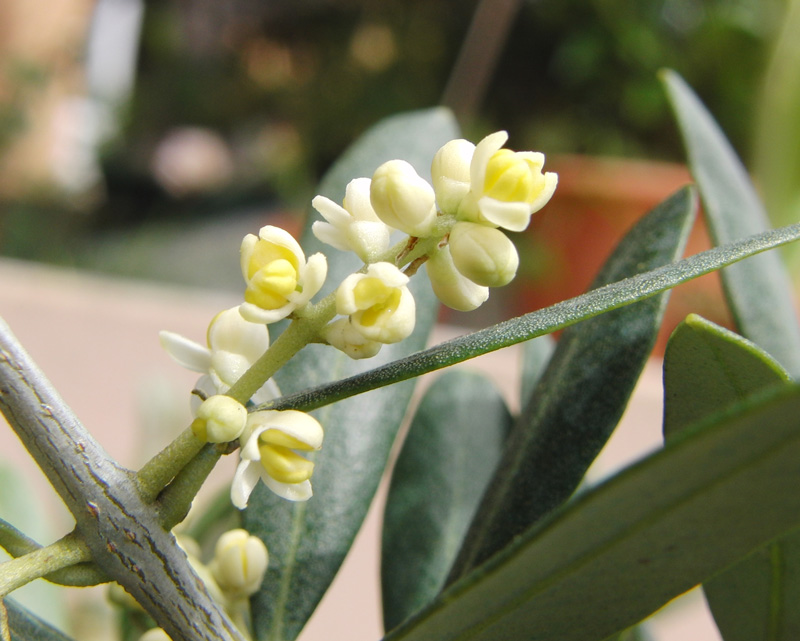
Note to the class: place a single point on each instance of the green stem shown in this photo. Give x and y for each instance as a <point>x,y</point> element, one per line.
<point>300,333</point>
<point>162,468</point>
<point>177,497</point>
<point>42,561</point>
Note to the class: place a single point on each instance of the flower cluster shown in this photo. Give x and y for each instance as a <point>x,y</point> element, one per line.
<point>455,226</point>
<point>477,191</point>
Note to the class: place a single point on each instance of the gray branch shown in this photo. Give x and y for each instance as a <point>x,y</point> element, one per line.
<point>122,532</point>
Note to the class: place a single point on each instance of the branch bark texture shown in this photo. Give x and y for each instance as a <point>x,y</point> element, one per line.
<point>122,531</point>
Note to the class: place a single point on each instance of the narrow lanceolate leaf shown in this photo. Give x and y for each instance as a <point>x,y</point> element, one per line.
<point>582,393</point>
<point>623,549</point>
<point>706,370</point>
<point>448,457</point>
<point>759,291</point>
<point>24,626</point>
<point>543,321</point>
<point>308,541</point>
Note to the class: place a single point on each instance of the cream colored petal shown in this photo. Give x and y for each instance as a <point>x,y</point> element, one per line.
<point>357,202</point>
<point>513,216</point>
<point>450,286</point>
<point>299,425</point>
<point>480,159</point>
<point>331,235</point>
<point>550,184</point>
<point>282,238</point>
<point>256,314</point>
<point>335,214</point>
<point>388,273</point>
<point>230,332</point>
<point>296,492</point>
<point>245,253</point>
<point>185,352</point>
<point>345,299</point>
<point>245,479</point>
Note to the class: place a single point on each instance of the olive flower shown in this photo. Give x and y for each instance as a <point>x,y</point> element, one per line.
<point>353,226</point>
<point>279,280</point>
<point>234,345</point>
<point>270,443</point>
<point>506,187</point>
<point>378,302</point>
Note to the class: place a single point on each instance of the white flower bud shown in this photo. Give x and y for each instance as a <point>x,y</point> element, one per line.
<point>402,199</point>
<point>450,174</point>
<point>483,254</point>
<point>343,336</point>
<point>220,419</point>
<point>450,286</point>
<point>379,304</point>
<point>240,562</point>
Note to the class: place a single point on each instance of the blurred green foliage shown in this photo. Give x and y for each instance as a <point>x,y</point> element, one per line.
<point>287,85</point>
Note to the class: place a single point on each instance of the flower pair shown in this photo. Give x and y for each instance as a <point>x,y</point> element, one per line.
<point>486,187</point>
<point>270,441</point>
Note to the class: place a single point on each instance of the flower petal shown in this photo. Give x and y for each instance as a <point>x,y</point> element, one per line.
<point>186,352</point>
<point>244,482</point>
<point>290,491</point>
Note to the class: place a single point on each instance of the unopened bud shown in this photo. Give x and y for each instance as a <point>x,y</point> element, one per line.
<point>483,254</point>
<point>219,419</point>
<point>240,562</point>
<point>402,199</point>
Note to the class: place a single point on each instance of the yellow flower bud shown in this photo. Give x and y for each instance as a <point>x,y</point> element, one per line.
<point>220,419</point>
<point>483,254</point>
<point>279,280</point>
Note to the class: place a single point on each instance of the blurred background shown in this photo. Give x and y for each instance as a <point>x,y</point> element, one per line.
<point>143,137</point>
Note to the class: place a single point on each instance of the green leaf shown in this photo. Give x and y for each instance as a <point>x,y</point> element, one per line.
<point>706,370</point>
<point>25,626</point>
<point>759,291</point>
<point>308,541</point>
<point>536,354</point>
<point>582,394</point>
<point>543,321</point>
<point>625,548</point>
<point>447,460</point>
